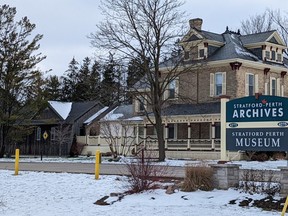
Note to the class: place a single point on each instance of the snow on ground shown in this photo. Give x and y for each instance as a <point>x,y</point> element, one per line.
<point>268,165</point>
<point>46,194</point>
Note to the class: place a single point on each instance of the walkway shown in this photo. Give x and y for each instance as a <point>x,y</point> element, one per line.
<point>87,168</point>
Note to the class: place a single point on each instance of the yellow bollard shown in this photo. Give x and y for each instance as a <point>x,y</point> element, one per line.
<point>284,207</point>
<point>17,161</point>
<point>97,165</point>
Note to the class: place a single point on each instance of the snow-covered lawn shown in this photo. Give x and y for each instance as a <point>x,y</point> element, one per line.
<point>51,194</point>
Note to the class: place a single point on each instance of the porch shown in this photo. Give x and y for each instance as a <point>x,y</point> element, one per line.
<point>197,133</point>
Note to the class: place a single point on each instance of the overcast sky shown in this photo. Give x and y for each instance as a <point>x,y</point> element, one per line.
<point>65,24</point>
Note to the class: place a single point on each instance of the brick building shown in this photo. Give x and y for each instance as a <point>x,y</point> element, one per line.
<point>231,64</point>
<point>234,65</point>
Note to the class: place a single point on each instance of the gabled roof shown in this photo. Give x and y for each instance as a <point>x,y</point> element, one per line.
<point>269,36</point>
<point>96,115</point>
<point>71,111</point>
<point>212,36</point>
<point>80,108</point>
<point>62,109</point>
<point>194,35</point>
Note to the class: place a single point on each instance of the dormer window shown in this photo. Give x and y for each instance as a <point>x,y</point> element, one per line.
<point>201,53</point>
<point>279,57</point>
<point>267,55</point>
<point>273,57</point>
<point>272,54</point>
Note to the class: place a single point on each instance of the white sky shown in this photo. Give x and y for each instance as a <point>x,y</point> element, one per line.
<point>65,24</point>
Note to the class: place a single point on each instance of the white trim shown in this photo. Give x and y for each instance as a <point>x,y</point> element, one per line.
<point>278,87</point>
<point>256,83</point>
<point>266,88</point>
<point>212,86</point>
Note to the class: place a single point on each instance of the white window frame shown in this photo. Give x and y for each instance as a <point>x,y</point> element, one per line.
<point>172,87</point>
<point>273,81</point>
<point>140,101</point>
<point>267,54</point>
<point>278,91</point>
<point>247,84</point>
<point>175,83</point>
<point>174,131</point>
<point>213,84</point>
<point>278,57</point>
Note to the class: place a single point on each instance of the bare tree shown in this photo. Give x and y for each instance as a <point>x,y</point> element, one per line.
<point>119,135</point>
<point>269,20</point>
<point>281,22</point>
<point>62,138</point>
<point>258,23</point>
<point>148,30</point>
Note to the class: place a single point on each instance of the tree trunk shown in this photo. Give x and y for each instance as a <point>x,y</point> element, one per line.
<point>160,136</point>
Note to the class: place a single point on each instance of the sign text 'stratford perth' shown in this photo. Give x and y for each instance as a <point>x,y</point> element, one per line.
<point>257,124</point>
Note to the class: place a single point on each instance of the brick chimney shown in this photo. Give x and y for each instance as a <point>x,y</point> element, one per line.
<point>196,23</point>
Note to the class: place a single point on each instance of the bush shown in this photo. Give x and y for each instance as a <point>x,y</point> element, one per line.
<point>198,177</point>
<point>256,181</point>
<point>143,173</point>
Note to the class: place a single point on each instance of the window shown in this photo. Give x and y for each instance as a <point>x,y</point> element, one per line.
<point>273,55</point>
<point>217,84</point>
<point>251,84</point>
<point>279,57</point>
<point>53,133</point>
<point>267,55</point>
<point>171,89</point>
<point>141,130</point>
<point>201,53</point>
<point>38,134</point>
<point>186,55</point>
<point>141,104</point>
<point>171,131</point>
<point>273,86</point>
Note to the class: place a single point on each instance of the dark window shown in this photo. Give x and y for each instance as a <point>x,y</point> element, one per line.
<point>251,84</point>
<point>273,87</point>
<point>218,83</point>
<point>279,57</point>
<point>82,131</point>
<point>217,130</point>
<point>38,134</point>
<point>170,131</point>
<point>141,104</point>
<point>273,55</point>
<point>171,89</point>
<point>201,53</point>
<point>186,55</point>
<point>267,55</point>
